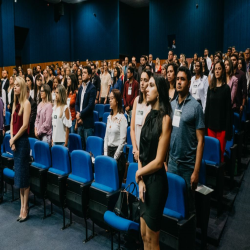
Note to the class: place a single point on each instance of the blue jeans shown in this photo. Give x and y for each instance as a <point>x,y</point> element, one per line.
<point>85,133</point>
<point>72,129</point>
<point>185,172</point>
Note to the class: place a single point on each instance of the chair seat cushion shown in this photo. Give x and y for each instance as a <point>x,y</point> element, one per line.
<point>212,163</point>
<point>102,187</point>
<point>172,213</point>
<point>120,223</point>
<point>56,171</point>
<point>7,155</point>
<point>38,165</point>
<point>77,178</point>
<point>9,173</point>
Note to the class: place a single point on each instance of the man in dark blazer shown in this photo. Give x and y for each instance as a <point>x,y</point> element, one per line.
<point>85,105</point>
<point>150,62</point>
<point>5,82</point>
<point>32,114</point>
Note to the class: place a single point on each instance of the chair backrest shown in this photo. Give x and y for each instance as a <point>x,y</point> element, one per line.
<point>60,158</point>
<point>42,153</point>
<point>107,108</point>
<point>100,129</point>
<point>211,150</point>
<point>202,174</point>
<point>177,195</point>
<point>75,142</point>
<point>95,145</point>
<point>96,116</point>
<point>105,117</point>
<point>237,122</point>
<point>129,142</point>
<point>81,165</point>
<point>106,172</point>
<point>132,168</point>
<point>230,143</point>
<point>6,144</point>
<point>32,142</point>
<point>7,118</point>
<point>100,109</point>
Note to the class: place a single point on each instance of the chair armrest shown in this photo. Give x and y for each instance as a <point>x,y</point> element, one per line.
<point>185,222</point>
<point>86,185</point>
<point>112,199</point>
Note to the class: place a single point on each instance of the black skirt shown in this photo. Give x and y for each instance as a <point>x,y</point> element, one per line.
<point>121,163</point>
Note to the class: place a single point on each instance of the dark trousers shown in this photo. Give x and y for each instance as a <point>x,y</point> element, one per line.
<point>121,163</point>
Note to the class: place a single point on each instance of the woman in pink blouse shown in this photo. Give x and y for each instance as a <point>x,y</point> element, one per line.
<point>232,81</point>
<point>43,124</point>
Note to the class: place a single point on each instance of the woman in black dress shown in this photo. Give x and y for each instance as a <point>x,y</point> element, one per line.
<point>151,175</point>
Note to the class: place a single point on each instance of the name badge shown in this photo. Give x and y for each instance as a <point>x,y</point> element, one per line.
<point>139,117</point>
<point>53,96</point>
<point>129,90</point>
<point>68,101</point>
<point>177,118</point>
<point>55,116</point>
<point>194,89</point>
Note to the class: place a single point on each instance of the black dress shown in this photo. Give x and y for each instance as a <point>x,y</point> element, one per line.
<point>151,209</point>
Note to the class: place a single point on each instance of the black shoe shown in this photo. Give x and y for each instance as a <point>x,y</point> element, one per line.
<point>19,218</point>
<point>26,218</point>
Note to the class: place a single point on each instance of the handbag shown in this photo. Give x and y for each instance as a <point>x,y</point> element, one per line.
<point>127,205</point>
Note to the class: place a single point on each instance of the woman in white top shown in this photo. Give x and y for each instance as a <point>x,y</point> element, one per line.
<point>141,110</point>
<point>11,93</point>
<point>61,120</point>
<point>116,133</point>
<point>199,85</point>
<point>105,85</point>
<point>3,96</point>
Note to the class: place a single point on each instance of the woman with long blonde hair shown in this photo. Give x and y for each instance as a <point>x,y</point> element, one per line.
<point>158,66</point>
<point>61,118</point>
<point>19,143</point>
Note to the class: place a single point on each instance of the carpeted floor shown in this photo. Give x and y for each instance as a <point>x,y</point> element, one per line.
<point>236,234</point>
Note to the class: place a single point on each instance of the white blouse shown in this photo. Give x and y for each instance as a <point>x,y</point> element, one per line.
<point>116,134</point>
<point>59,124</point>
<point>32,93</point>
<point>9,95</point>
<point>198,89</point>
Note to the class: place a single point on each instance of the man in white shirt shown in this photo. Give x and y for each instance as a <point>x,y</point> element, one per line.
<point>209,62</point>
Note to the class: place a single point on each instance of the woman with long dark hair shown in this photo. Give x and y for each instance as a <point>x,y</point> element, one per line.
<point>218,113</point>
<point>204,67</point>
<point>30,84</point>
<point>72,88</point>
<point>117,82</point>
<point>151,175</point>
<point>140,110</point>
<point>192,64</point>
<point>231,80</point>
<point>10,95</point>
<point>19,143</point>
<point>116,133</point>
<point>171,81</point>
<point>199,85</point>
<point>37,93</point>
<point>242,64</point>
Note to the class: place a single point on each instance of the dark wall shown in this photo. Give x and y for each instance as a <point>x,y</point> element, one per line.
<point>237,24</point>
<point>195,28</point>
<point>8,38</point>
<point>47,40</point>
<point>133,31</point>
<point>1,36</point>
<point>95,38</point>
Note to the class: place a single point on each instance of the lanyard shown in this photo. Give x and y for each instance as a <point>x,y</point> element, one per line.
<point>183,103</point>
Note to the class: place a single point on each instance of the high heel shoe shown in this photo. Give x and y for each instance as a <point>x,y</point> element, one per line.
<point>26,218</point>
<point>19,218</point>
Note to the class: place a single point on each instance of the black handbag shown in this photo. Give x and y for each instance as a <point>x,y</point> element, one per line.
<point>127,205</point>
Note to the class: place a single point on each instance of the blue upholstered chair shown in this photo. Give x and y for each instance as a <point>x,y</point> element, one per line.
<point>100,109</point>
<point>230,156</point>
<point>107,108</point>
<point>177,227</point>
<point>38,171</point>
<point>105,117</point>
<point>118,223</point>
<point>100,129</point>
<point>57,177</point>
<point>78,184</point>
<point>215,168</point>
<point>104,192</point>
<point>96,116</point>
<point>129,141</point>
<point>7,120</point>
<point>8,164</point>
<point>95,146</point>
<point>238,136</point>
<point>32,142</point>
<point>75,142</point>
